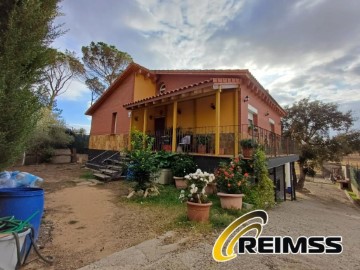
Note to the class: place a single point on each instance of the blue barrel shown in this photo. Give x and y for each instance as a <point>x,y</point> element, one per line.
<point>23,203</point>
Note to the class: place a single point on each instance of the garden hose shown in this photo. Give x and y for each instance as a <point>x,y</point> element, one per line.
<point>10,225</point>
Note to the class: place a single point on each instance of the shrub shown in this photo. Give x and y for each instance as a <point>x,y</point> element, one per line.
<point>230,177</point>
<point>143,163</point>
<point>183,164</point>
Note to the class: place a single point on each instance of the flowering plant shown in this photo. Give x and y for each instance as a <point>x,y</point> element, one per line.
<point>197,183</point>
<point>230,178</point>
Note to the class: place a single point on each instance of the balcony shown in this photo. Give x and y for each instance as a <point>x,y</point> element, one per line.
<point>201,140</point>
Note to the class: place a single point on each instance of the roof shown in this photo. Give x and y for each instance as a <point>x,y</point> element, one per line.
<point>134,67</point>
<point>129,70</point>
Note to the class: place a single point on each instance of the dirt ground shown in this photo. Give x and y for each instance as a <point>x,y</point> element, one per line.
<point>84,222</point>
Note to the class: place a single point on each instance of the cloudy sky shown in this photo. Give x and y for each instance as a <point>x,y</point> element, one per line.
<point>296,49</point>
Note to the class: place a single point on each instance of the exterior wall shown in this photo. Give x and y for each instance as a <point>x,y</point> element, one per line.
<point>102,118</point>
<point>143,87</point>
<point>173,81</point>
<point>262,107</point>
<point>109,142</point>
<point>192,113</point>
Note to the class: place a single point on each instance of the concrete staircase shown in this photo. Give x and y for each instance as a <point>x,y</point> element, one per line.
<point>108,166</point>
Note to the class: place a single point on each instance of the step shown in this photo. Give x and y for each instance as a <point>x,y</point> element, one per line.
<point>109,172</point>
<point>115,168</point>
<point>102,176</point>
<point>94,166</point>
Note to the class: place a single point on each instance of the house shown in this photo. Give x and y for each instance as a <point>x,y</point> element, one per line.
<point>203,112</point>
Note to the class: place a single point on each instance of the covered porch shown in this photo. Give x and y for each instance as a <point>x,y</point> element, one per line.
<point>202,119</point>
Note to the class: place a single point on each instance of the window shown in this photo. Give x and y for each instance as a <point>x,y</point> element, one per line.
<point>113,123</point>
<point>162,88</point>
<point>252,116</point>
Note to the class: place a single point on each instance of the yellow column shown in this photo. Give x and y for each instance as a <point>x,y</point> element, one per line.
<point>130,129</point>
<point>217,122</point>
<point>145,123</point>
<point>236,120</point>
<point>173,147</point>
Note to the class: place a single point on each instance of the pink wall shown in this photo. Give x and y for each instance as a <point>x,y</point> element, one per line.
<point>102,117</point>
<point>261,106</point>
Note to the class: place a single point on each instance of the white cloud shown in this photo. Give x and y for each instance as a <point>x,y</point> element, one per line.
<point>75,90</point>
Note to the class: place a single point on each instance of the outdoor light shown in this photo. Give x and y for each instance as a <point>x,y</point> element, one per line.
<point>246,99</point>
<point>212,106</point>
<point>129,114</point>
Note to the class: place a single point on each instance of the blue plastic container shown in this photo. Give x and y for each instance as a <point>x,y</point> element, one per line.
<point>22,203</point>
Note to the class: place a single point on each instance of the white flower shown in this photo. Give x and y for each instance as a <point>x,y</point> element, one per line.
<point>187,177</point>
<point>198,171</point>
<point>203,191</point>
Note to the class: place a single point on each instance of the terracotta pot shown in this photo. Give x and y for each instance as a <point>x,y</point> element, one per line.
<point>202,149</point>
<point>167,147</point>
<point>247,152</point>
<point>180,182</point>
<point>198,211</point>
<point>230,201</point>
<point>210,188</point>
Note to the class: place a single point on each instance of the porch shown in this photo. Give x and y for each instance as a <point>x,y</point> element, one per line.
<point>202,140</point>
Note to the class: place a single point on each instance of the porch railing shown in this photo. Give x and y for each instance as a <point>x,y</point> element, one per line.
<point>201,140</point>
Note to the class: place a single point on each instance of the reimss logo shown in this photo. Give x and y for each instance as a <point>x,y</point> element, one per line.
<point>224,247</point>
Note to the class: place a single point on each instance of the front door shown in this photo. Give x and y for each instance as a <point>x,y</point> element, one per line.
<point>159,132</point>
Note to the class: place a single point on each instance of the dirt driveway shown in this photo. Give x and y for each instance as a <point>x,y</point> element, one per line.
<point>84,222</point>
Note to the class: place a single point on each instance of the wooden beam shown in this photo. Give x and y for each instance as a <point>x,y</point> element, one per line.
<point>217,121</point>
<point>236,122</point>
<point>130,129</point>
<point>145,122</point>
<point>173,146</point>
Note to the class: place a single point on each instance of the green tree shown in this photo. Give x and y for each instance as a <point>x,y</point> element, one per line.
<point>64,67</point>
<point>49,134</point>
<point>26,30</point>
<point>103,64</point>
<point>310,123</point>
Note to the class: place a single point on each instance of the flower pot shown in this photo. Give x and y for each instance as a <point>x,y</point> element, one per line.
<point>210,188</point>
<point>167,147</point>
<point>165,177</point>
<point>202,149</point>
<point>180,182</point>
<point>198,211</point>
<point>247,152</point>
<point>230,201</point>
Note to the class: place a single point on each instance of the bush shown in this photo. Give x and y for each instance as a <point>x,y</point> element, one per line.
<point>183,164</point>
<point>143,163</point>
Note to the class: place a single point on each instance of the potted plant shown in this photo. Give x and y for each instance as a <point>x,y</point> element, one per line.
<point>198,204</point>
<point>229,181</point>
<point>164,161</point>
<point>247,147</point>
<point>182,165</point>
<point>202,142</point>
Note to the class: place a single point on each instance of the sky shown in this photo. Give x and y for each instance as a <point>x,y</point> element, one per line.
<point>295,49</point>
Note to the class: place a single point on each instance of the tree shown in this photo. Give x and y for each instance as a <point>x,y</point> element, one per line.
<point>58,74</point>
<point>26,30</point>
<point>103,64</point>
<point>311,123</point>
<point>49,134</point>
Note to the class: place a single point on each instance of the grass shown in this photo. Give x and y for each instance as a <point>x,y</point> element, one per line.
<point>169,201</point>
<point>353,196</point>
<point>87,175</point>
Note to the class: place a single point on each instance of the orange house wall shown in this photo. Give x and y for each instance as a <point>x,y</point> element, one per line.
<point>261,106</point>
<point>102,117</point>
